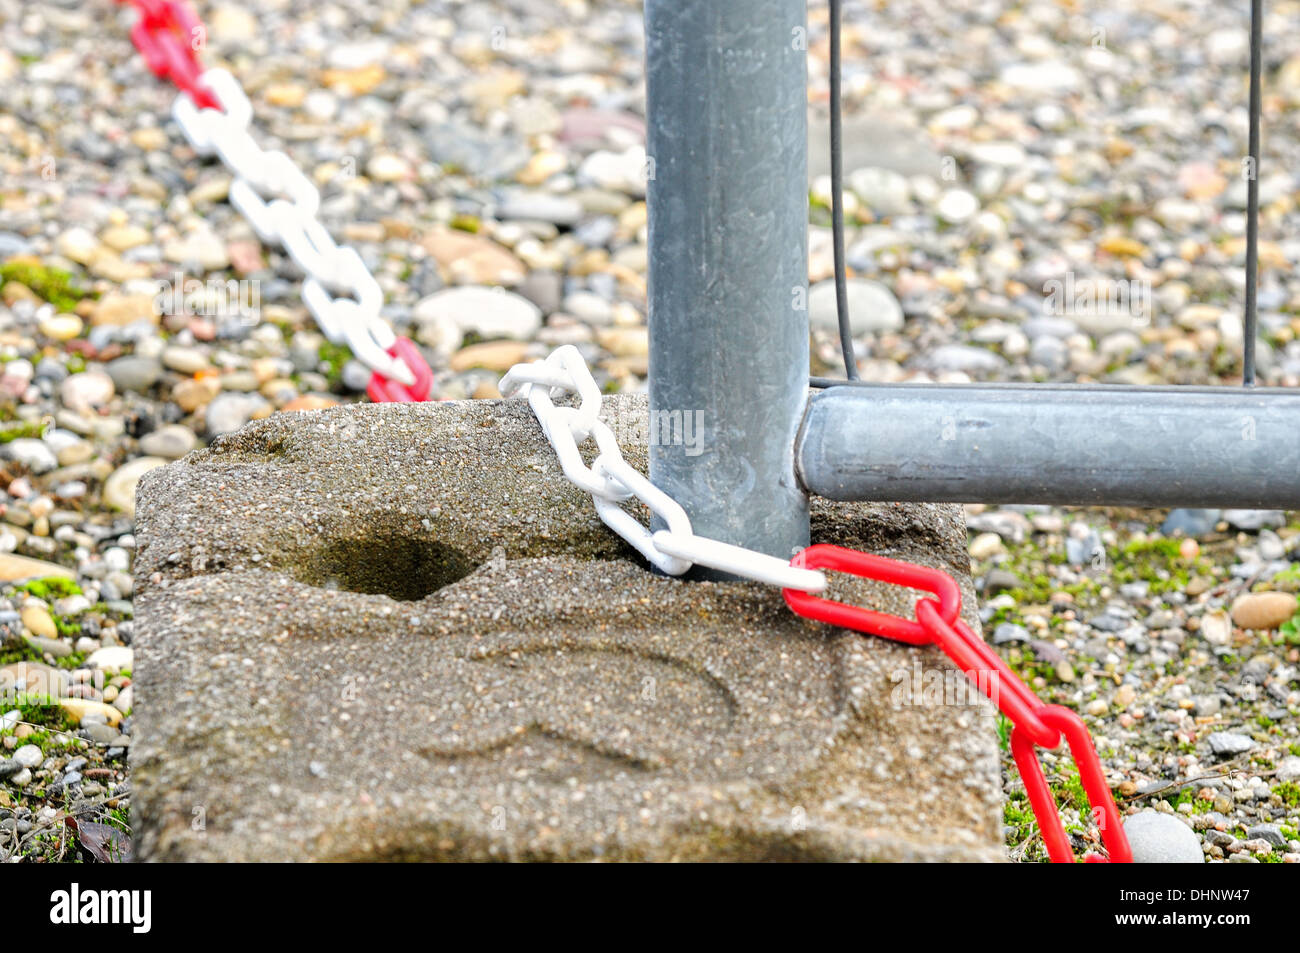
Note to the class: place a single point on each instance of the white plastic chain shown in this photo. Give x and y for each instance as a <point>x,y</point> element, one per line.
<point>611,480</point>
<point>289,218</point>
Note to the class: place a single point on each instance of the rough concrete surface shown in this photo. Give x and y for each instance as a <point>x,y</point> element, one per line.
<point>396,632</point>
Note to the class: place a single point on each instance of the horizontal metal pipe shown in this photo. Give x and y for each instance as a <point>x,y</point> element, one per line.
<point>1059,444</point>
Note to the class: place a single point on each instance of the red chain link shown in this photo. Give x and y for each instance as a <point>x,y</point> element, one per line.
<point>939,623</point>
<point>165,35</point>
<point>384,390</point>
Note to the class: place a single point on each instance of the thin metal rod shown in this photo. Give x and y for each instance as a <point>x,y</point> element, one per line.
<point>727,140</point>
<point>823,382</point>
<point>837,193</point>
<point>1252,195</point>
<point>1057,444</point>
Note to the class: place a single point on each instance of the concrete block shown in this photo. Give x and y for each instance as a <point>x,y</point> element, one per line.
<point>395,632</point>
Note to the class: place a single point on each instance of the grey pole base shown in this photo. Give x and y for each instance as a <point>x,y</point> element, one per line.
<point>1057,444</point>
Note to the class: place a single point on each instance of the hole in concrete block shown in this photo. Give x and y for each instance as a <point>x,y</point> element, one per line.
<point>406,568</point>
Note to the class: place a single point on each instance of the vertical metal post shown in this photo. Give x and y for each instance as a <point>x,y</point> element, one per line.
<point>728,219</point>
<point>1249,329</point>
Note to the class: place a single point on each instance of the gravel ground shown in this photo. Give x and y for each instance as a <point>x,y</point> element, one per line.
<point>994,149</point>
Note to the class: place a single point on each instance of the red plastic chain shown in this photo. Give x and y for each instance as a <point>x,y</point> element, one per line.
<point>821,556</point>
<point>165,35</point>
<point>383,390</point>
<point>938,622</point>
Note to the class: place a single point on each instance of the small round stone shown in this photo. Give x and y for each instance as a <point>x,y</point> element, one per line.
<point>957,205</point>
<point>29,756</point>
<point>1162,839</point>
<point>61,327</point>
<point>1263,610</point>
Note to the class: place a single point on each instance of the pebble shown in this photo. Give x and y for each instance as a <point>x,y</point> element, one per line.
<point>79,709</point>
<point>171,442</point>
<point>625,342</point>
<point>1083,546</point>
<point>122,238</point>
<point>544,289</point>
<point>1226,743</point>
<point>872,307</point>
<point>1158,838</point>
<point>1270,834</point>
<point>589,307</point>
<point>541,207</point>
<point>956,206</point>
<point>54,648</point>
<point>1010,526</point>
<point>101,733</point>
<point>963,357</point>
<point>134,373</point>
<point>118,657</point>
<point>29,756</point>
<point>387,167</point>
<point>1008,632</point>
<point>1041,77</point>
<point>78,244</point>
<point>497,356</point>
<point>883,191</point>
<point>190,395</point>
<point>12,246</point>
<point>119,488</point>
<point>87,391</point>
<point>1190,522</point>
<point>38,620</point>
<point>474,260</point>
<point>228,412</point>
<point>1263,610</point>
<point>184,360</point>
<point>1000,580</point>
<point>14,568</point>
<point>72,451</point>
<point>356,376</point>
<point>985,545</point>
<point>231,23</point>
<point>1254,520</point>
<point>31,453</point>
<point>61,327</point>
<point>309,402</point>
<point>200,249</point>
<point>487,312</point>
<point>617,171</point>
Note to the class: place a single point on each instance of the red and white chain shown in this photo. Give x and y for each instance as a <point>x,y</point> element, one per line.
<point>280,202</point>
<point>611,481</point>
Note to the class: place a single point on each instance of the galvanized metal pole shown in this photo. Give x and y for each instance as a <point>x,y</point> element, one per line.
<point>728,216</point>
<point>1252,197</point>
<point>1060,444</point>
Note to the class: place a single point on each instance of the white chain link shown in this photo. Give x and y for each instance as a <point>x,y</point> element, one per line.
<point>611,480</point>
<point>281,204</point>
